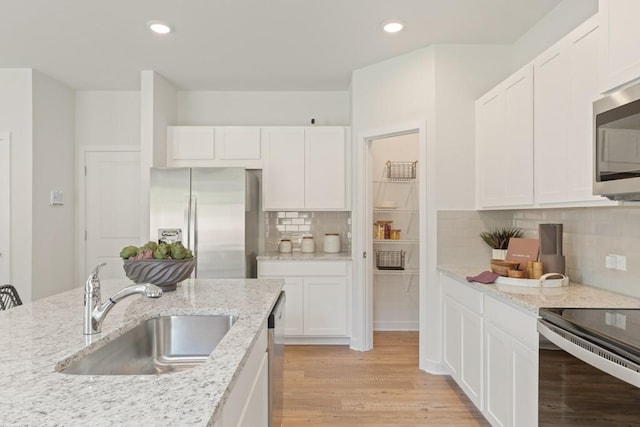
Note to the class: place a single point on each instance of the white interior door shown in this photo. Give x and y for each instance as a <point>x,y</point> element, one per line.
<point>112,195</point>
<point>5,207</point>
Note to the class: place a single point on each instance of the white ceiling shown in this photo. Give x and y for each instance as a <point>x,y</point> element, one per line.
<point>241,44</point>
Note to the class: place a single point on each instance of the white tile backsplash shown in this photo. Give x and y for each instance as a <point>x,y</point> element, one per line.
<point>589,235</point>
<point>292,225</point>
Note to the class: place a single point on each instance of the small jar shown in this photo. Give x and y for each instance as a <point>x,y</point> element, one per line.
<point>308,245</point>
<point>285,246</point>
<point>394,234</point>
<point>331,244</point>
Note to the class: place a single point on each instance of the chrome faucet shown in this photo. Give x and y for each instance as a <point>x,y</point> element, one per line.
<point>95,311</point>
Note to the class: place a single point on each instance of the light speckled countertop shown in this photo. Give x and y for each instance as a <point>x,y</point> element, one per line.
<point>299,256</point>
<point>531,299</point>
<point>37,336</point>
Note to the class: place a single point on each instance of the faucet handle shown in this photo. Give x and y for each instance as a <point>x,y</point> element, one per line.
<point>96,270</point>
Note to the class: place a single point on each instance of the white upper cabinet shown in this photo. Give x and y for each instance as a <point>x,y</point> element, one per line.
<point>305,168</point>
<point>238,143</point>
<point>283,173</point>
<point>218,146</point>
<point>534,131</point>
<point>566,84</point>
<point>504,143</point>
<point>190,143</point>
<point>325,168</point>
<point>619,47</point>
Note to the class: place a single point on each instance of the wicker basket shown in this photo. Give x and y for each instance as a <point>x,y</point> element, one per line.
<point>400,171</point>
<point>390,260</point>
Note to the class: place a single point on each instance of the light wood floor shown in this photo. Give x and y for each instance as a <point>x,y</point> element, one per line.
<point>334,386</point>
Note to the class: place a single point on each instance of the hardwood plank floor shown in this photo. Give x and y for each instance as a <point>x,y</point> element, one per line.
<point>334,386</point>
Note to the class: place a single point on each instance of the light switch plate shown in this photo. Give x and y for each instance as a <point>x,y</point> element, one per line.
<point>57,198</point>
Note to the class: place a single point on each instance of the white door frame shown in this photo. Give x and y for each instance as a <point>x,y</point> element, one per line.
<point>82,219</point>
<point>5,217</point>
<point>362,329</point>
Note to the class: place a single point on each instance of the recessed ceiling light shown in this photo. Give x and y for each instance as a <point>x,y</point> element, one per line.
<point>392,26</point>
<point>159,27</point>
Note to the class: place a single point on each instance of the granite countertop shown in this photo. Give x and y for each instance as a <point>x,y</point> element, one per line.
<point>531,299</point>
<point>39,335</point>
<point>299,256</point>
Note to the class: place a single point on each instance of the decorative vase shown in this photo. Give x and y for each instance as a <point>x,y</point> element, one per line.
<point>499,254</point>
<point>165,273</point>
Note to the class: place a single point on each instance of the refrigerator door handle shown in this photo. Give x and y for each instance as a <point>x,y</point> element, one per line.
<point>193,231</point>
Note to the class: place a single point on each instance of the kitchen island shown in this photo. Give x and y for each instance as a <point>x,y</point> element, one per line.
<point>42,336</point>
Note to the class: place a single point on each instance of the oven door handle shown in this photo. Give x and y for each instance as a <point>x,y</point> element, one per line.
<point>591,354</point>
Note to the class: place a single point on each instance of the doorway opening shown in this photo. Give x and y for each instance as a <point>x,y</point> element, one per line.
<point>395,224</point>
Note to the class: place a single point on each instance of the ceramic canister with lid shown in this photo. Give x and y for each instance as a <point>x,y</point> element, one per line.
<point>285,246</point>
<point>308,245</point>
<point>331,244</point>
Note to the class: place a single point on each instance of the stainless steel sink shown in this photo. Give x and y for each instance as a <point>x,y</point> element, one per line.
<point>157,346</point>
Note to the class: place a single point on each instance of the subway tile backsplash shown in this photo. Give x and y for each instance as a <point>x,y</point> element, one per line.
<point>589,235</point>
<point>294,225</point>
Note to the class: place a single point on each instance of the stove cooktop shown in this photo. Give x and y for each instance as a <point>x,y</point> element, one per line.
<point>615,329</point>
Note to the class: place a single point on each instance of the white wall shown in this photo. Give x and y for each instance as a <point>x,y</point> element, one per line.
<point>462,74</point>
<point>108,118</point>
<point>387,97</point>
<point>158,109</point>
<point>438,84</point>
<point>54,254</point>
<point>551,28</point>
<point>15,117</point>
<point>263,108</point>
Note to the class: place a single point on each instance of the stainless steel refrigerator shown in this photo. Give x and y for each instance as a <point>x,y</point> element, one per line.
<point>214,211</point>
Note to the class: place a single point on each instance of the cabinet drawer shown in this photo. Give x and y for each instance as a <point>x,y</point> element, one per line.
<point>463,294</point>
<point>298,268</point>
<point>518,324</point>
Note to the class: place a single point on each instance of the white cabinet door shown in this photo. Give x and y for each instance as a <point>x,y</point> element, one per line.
<point>498,376</point>
<point>325,306</point>
<point>238,143</point>
<point>256,411</point>
<point>489,148</point>
<point>471,356</point>
<point>524,395</point>
<point>294,306</point>
<point>552,97</point>
<point>284,168</point>
<point>583,80</point>
<point>451,333</point>
<point>620,50</point>
<point>504,142</point>
<point>325,168</point>
<point>248,403</point>
<point>566,82</point>
<point>518,142</point>
<point>186,143</point>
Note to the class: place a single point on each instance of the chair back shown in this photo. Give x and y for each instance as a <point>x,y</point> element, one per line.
<point>9,297</point>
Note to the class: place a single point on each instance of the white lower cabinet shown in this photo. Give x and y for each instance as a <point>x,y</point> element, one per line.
<point>491,350</point>
<point>511,369</point>
<point>325,306</point>
<point>463,338</point>
<point>317,296</point>
<point>248,401</point>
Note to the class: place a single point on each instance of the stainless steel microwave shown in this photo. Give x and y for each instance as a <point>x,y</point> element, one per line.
<point>616,121</point>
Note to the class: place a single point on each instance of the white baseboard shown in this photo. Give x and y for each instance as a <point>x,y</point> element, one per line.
<point>396,326</point>
<point>317,340</point>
